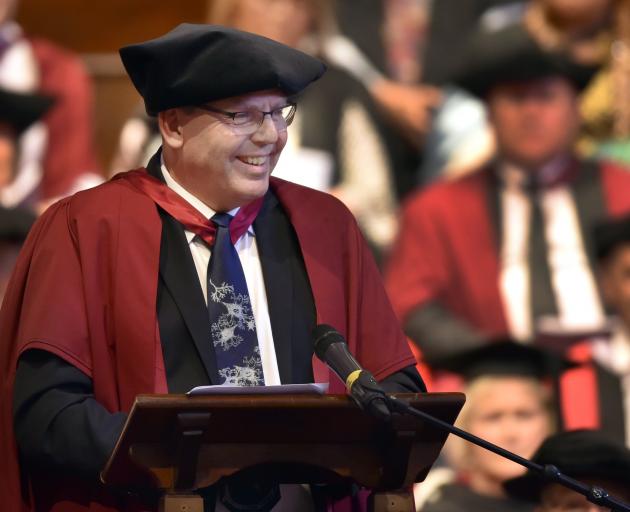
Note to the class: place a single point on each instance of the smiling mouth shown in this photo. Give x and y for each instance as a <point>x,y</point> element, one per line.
<point>254,160</point>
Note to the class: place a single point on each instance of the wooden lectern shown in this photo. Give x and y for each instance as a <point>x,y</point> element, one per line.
<point>178,443</point>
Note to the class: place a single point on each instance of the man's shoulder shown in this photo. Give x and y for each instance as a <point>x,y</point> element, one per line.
<point>450,194</point>
<point>108,198</point>
<point>308,201</point>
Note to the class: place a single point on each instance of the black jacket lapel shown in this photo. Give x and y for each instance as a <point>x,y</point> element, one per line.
<point>272,252</point>
<point>289,295</point>
<point>179,275</point>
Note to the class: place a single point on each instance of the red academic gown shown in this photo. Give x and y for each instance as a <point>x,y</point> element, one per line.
<point>85,288</point>
<point>447,252</point>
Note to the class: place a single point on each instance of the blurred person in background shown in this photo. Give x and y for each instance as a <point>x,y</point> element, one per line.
<point>593,32</point>
<point>509,403</point>
<point>17,113</point>
<point>587,455</point>
<point>57,155</point>
<point>598,391</point>
<point>508,248</point>
<point>459,138</point>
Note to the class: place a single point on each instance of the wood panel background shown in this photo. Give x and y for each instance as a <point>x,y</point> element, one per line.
<point>96,30</point>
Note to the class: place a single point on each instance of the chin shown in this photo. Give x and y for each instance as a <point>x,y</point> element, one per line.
<point>532,159</point>
<point>253,191</point>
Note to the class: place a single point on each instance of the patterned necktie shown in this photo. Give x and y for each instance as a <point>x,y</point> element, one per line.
<point>231,316</point>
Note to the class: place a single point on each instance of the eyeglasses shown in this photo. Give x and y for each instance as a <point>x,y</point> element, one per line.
<point>248,121</point>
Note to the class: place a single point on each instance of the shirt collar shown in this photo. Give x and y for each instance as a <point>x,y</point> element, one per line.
<point>547,175</point>
<point>197,203</point>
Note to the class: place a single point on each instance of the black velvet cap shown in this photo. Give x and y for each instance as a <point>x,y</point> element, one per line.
<point>194,64</point>
<point>578,454</point>
<point>610,234</point>
<point>512,55</point>
<point>21,110</point>
<point>503,357</point>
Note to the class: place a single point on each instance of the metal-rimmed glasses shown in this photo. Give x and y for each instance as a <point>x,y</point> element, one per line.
<point>248,121</point>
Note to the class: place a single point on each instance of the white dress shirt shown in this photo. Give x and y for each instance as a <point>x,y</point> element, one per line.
<point>572,280</point>
<point>248,254</point>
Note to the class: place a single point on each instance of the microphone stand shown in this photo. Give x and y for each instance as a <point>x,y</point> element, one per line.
<point>549,472</point>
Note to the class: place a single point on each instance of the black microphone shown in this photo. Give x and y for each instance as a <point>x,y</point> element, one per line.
<point>332,349</point>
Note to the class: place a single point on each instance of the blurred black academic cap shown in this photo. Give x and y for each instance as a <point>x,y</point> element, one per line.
<point>578,454</point>
<point>20,110</point>
<point>504,357</point>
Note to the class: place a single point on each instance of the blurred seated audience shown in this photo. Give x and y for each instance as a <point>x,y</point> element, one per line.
<point>509,403</point>
<point>508,249</point>
<point>612,241</point>
<point>57,155</point>
<point>336,142</point>
<point>586,455</point>
<point>17,113</point>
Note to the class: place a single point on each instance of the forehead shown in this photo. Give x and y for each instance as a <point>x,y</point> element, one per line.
<point>262,99</point>
<point>489,391</point>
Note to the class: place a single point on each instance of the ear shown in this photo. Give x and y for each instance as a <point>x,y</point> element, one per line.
<point>171,124</point>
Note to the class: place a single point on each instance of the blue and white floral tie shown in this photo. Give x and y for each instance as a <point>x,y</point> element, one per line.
<point>232,321</point>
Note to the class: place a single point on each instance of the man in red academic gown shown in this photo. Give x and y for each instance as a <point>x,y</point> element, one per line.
<point>508,249</point>
<point>108,299</point>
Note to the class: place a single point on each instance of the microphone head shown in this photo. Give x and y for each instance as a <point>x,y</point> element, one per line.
<point>324,336</point>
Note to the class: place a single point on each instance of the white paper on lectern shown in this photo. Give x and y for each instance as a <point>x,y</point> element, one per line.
<point>313,388</point>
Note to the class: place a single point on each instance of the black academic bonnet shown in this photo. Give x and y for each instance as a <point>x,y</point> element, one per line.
<point>503,357</point>
<point>194,64</point>
<point>579,454</point>
<point>20,110</point>
<point>512,55</point>
<point>610,234</point>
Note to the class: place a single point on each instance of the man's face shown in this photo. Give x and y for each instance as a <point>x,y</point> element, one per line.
<point>615,281</point>
<point>534,121</point>
<point>221,166</point>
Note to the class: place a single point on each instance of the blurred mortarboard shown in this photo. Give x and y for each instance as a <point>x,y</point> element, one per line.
<point>503,357</point>
<point>578,454</point>
<point>610,234</point>
<point>194,64</point>
<point>20,110</point>
<point>512,55</point>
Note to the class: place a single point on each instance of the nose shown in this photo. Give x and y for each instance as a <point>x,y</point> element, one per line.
<point>267,132</point>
